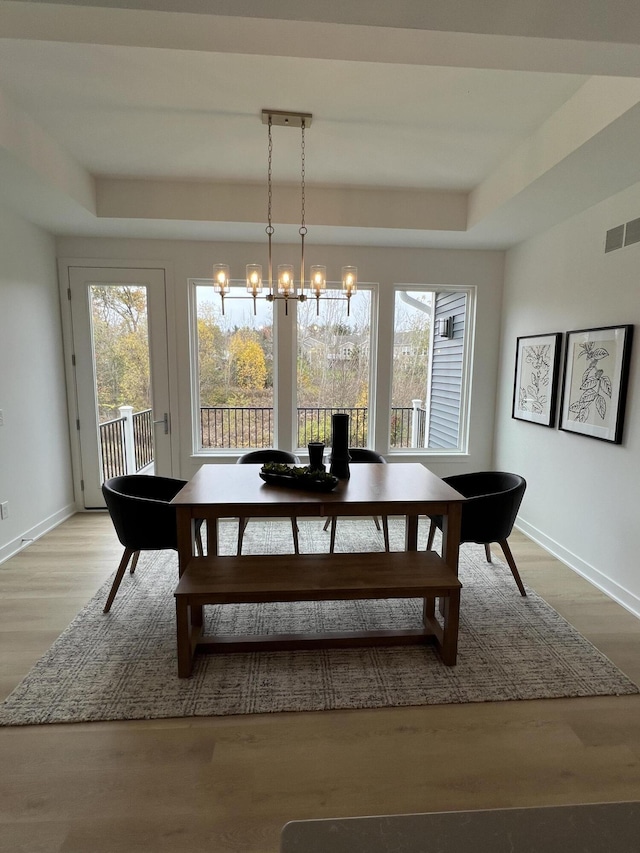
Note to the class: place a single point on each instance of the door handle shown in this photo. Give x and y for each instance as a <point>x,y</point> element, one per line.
<point>167,423</point>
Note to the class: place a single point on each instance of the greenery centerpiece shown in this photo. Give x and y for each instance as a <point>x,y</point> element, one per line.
<point>297,477</point>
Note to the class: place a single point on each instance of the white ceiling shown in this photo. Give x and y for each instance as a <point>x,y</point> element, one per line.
<point>142,112</point>
<point>121,122</point>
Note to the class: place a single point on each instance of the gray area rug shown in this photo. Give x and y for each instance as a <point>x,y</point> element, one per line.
<point>122,665</point>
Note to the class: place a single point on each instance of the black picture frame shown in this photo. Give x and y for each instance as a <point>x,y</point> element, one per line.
<point>535,381</point>
<point>594,385</point>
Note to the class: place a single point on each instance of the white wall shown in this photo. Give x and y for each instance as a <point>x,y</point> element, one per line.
<point>35,463</point>
<point>583,496</point>
<point>184,260</point>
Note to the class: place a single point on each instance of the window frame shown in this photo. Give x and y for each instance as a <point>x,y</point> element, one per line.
<point>380,378</point>
<point>285,348</point>
<point>197,451</point>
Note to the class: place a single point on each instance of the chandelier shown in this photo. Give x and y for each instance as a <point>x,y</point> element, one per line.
<point>285,287</point>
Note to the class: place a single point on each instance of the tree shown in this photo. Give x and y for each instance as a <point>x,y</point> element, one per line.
<point>411,349</point>
<point>333,353</point>
<point>121,348</point>
<point>213,361</point>
<point>248,362</point>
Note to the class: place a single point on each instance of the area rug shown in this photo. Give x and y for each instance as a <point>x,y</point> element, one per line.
<point>122,665</point>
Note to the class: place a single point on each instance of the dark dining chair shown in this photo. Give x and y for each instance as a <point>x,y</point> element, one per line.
<point>489,513</point>
<point>361,454</point>
<point>143,517</point>
<point>261,457</point>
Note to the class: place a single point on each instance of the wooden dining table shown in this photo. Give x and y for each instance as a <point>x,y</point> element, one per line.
<point>403,489</point>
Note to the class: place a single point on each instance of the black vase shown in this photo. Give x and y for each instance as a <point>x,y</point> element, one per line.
<point>316,453</point>
<point>340,457</point>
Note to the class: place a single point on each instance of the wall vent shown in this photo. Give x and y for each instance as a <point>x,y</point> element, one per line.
<point>632,232</point>
<point>615,237</point>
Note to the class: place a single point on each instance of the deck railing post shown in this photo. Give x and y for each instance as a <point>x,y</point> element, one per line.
<point>126,412</point>
<point>415,423</point>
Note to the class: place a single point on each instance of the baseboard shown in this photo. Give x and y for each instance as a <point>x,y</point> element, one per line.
<point>618,593</point>
<point>38,530</point>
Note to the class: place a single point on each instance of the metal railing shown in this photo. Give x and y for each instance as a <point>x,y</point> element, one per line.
<point>143,438</point>
<point>251,428</point>
<point>315,425</point>
<point>128,448</point>
<point>234,426</point>
<point>114,460</point>
<point>408,426</point>
<point>126,443</point>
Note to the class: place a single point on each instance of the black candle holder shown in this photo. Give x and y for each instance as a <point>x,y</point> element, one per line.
<point>316,456</point>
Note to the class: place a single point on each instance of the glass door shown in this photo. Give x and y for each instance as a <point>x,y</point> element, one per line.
<point>120,358</point>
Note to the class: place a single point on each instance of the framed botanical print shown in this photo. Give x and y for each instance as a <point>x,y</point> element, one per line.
<point>535,386</point>
<point>594,386</point>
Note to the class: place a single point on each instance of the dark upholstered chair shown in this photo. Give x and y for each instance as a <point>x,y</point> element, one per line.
<point>488,515</point>
<point>259,457</point>
<point>139,506</point>
<point>361,454</point>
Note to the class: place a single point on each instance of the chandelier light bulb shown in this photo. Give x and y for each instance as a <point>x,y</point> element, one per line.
<point>286,282</point>
<point>318,279</point>
<point>254,278</point>
<point>221,278</point>
<point>349,280</point>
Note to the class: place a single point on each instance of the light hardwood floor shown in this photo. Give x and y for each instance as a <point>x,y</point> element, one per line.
<point>230,784</point>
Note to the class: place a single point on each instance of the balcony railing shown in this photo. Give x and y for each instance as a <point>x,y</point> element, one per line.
<point>315,425</point>
<point>126,443</point>
<point>143,439</point>
<point>251,428</point>
<point>114,460</point>
<point>231,426</point>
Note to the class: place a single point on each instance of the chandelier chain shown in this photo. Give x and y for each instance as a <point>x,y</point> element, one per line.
<point>269,229</point>
<point>303,229</point>
<point>269,179</point>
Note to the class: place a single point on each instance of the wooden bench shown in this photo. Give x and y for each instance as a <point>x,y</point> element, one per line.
<point>316,577</point>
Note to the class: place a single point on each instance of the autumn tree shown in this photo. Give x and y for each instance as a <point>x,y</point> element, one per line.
<point>213,363</point>
<point>121,352</point>
<point>247,361</point>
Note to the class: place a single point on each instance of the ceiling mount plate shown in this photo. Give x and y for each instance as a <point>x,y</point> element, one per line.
<point>283,118</point>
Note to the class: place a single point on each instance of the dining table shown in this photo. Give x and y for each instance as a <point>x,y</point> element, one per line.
<point>408,490</point>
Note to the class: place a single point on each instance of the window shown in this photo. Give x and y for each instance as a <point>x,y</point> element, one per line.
<point>430,355</point>
<point>334,366</point>
<point>327,362</point>
<point>234,377</point>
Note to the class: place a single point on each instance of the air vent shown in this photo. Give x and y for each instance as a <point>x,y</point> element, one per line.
<point>632,232</point>
<point>615,237</point>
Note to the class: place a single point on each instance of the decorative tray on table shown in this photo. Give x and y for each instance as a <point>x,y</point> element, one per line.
<point>297,477</point>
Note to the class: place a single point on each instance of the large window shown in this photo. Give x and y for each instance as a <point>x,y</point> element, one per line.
<point>430,355</point>
<point>334,366</point>
<point>326,361</point>
<point>234,384</point>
